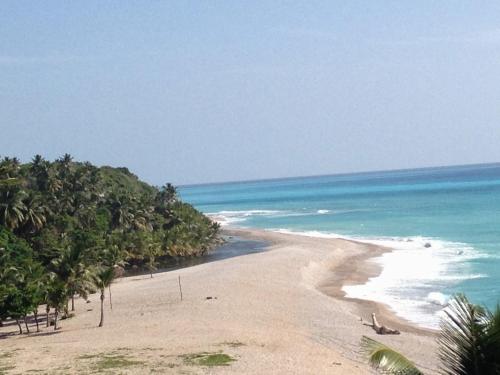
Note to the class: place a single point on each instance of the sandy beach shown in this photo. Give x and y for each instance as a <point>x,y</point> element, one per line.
<point>280,311</point>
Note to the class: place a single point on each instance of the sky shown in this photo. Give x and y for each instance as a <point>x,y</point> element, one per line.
<point>204,91</point>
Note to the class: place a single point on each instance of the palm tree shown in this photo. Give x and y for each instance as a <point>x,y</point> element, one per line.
<point>34,215</point>
<point>469,343</point>
<point>470,339</point>
<point>113,256</point>
<point>72,269</point>
<point>386,359</point>
<point>57,297</point>
<point>40,171</point>
<point>103,279</point>
<point>168,193</point>
<point>121,216</point>
<point>12,208</point>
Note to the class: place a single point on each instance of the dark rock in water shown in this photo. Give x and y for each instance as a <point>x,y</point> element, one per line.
<point>427,245</point>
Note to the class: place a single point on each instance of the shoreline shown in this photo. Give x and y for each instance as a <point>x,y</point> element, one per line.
<point>353,270</point>
<point>266,310</point>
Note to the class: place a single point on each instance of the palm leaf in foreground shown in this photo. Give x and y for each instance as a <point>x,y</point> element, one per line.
<point>470,339</point>
<point>386,359</point>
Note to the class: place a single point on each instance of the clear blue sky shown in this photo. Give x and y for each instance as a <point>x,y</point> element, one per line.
<point>227,90</point>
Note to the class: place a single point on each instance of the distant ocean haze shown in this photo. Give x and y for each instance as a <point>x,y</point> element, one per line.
<point>444,224</point>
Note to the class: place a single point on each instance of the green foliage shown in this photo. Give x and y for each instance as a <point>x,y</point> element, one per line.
<point>208,359</point>
<point>103,277</point>
<point>21,277</point>
<point>470,339</point>
<point>386,359</point>
<point>62,223</point>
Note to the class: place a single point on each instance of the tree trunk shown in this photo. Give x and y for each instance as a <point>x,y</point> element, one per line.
<point>56,315</point>
<point>26,324</point>
<point>19,325</point>
<point>66,310</point>
<point>102,308</point>
<point>110,301</point>
<point>47,311</point>
<point>72,303</point>
<point>35,313</point>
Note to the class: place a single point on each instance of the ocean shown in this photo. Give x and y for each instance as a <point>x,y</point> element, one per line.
<point>443,224</point>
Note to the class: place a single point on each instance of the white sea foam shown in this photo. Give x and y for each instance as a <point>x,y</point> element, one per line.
<point>413,276</point>
<point>233,217</point>
<point>438,298</point>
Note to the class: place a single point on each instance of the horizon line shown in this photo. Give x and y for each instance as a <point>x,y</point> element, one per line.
<point>335,174</point>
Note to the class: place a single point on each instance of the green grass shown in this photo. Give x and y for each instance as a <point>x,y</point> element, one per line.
<point>208,359</point>
<point>107,362</point>
<point>112,360</point>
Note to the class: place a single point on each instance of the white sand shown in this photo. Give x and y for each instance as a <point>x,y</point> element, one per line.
<point>272,314</point>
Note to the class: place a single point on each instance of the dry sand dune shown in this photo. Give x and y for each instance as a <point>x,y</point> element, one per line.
<point>276,312</point>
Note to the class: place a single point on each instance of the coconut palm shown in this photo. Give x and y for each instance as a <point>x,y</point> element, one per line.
<point>72,269</point>
<point>57,297</point>
<point>167,194</point>
<point>386,359</point>
<point>470,339</point>
<point>121,215</point>
<point>469,343</point>
<point>103,279</point>
<point>34,215</point>
<point>39,169</point>
<point>12,208</point>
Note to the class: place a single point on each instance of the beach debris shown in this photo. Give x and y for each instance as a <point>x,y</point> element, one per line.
<point>382,330</point>
<point>180,286</point>
<point>427,245</point>
<point>210,297</point>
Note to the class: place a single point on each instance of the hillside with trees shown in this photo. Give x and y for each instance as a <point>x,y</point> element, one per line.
<point>68,228</point>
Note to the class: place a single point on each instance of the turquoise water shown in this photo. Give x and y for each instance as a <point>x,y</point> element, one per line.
<point>455,210</point>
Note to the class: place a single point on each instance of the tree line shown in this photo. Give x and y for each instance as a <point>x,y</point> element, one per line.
<point>69,228</point>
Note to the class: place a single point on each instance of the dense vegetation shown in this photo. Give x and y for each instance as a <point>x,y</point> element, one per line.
<point>68,228</point>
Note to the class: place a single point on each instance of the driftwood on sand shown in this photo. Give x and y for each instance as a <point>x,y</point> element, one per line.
<point>380,329</point>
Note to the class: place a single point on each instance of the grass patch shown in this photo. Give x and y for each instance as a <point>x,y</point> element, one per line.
<point>107,362</point>
<point>208,359</point>
<point>112,360</point>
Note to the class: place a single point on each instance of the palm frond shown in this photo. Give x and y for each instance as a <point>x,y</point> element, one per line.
<point>462,338</point>
<point>9,181</point>
<point>386,359</point>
